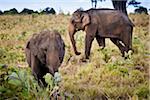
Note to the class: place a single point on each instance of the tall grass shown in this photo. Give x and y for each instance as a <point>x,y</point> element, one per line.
<point>105,76</point>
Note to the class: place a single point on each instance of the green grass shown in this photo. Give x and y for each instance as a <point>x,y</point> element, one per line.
<point>105,75</point>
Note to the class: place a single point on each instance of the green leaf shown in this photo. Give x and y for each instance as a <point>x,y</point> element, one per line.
<point>14,79</point>
<point>2,89</point>
<point>49,79</point>
<point>15,82</point>
<point>13,76</point>
<point>57,77</point>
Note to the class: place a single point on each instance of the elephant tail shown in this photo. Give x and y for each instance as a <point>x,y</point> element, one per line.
<point>131,23</point>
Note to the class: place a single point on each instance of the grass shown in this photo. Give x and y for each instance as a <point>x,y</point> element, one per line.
<point>105,76</point>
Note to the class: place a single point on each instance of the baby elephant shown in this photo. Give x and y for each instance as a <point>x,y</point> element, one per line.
<point>45,52</point>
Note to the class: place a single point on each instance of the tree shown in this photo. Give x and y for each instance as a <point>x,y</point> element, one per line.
<point>1,12</point>
<point>11,11</point>
<point>94,3</point>
<point>141,9</point>
<point>26,11</point>
<point>134,3</point>
<point>48,10</point>
<point>53,11</point>
<point>120,4</point>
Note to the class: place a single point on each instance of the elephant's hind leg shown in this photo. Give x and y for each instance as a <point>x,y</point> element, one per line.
<point>100,41</point>
<point>127,39</point>
<point>119,45</point>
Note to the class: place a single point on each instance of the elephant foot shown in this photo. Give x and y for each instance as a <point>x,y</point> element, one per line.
<point>123,55</point>
<point>128,54</point>
<point>102,47</point>
<point>77,53</point>
<point>84,59</point>
<point>123,52</point>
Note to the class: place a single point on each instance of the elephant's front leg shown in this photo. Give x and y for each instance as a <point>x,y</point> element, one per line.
<point>88,43</point>
<point>37,71</point>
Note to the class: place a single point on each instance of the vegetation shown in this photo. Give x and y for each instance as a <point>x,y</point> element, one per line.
<point>25,11</point>
<point>105,76</point>
<point>119,4</point>
<point>141,10</point>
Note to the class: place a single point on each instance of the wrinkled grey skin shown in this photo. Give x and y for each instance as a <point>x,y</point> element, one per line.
<point>44,53</point>
<point>101,24</point>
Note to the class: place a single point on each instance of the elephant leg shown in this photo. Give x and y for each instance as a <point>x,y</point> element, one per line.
<point>127,46</point>
<point>34,66</point>
<point>88,42</point>
<point>43,71</point>
<point>100,41</point>
<point>119,45</point>
<point>36,70</point>
<point>128,41</point>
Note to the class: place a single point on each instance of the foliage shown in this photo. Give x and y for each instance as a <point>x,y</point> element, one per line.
<point>48,10</point>
<point>105,76</point>
<point>11,11</point>
<point>120,4</point>
<point>1,12</point>
<point>134,3</point>
<point>18,83</point>
<point>141,10</point>
<point>25,11</point>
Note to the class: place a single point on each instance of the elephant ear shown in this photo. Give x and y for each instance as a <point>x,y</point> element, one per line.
<point>85,19</point>
<point>32,47</point>
<point>28,53</point>
<point>27,45</point>
<point>61,47</point>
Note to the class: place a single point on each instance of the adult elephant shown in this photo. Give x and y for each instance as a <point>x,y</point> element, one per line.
<point>101,24</point>
<point>44,53</point>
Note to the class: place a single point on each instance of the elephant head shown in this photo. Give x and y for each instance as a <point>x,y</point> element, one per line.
<point>48,49</point>
<point>79,20</point>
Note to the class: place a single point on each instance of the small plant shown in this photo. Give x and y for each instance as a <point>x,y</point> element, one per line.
<point>20,84</point>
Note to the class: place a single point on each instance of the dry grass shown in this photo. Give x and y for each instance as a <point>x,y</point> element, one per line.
<point>106,75</point>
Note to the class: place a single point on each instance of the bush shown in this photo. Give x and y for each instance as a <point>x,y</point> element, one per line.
<point>11,11</point>
<point>18,83</point>
<point>141,10</point>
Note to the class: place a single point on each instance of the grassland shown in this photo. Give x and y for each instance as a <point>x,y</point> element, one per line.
<point>105,76</point>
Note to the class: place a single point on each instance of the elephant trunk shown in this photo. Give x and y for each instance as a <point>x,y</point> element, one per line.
<point>72,31</point>
<point>53,61</point>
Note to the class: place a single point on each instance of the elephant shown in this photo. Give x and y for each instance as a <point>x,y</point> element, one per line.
<point>100,24</point>
<point>44,53</point>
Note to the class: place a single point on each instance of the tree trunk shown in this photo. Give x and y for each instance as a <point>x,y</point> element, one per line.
<point>120,5</point>
<point>94,3</point>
